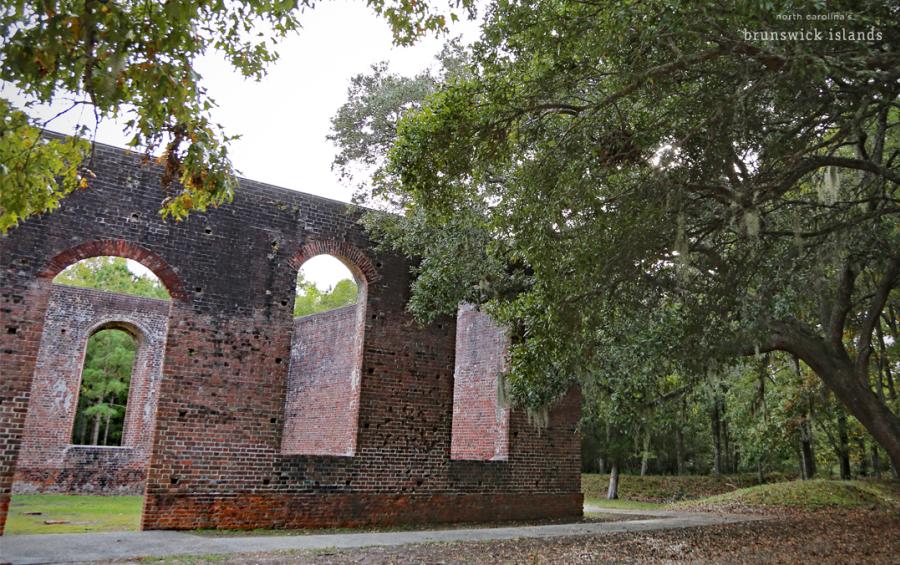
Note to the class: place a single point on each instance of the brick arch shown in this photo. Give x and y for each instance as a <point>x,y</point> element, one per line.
<point>118,248</point>
<point>326,364</point>
<point>119,323</point>
<point>351,256</point>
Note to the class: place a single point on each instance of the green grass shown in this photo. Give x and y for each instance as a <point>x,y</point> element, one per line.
<point>669,488</point>
<point>623,504</point>
<point>818,493</point>
<point>81,512</point>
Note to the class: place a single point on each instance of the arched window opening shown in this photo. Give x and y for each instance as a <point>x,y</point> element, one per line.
<point>99,367</point>
<point>324,283</point>
<point>105,383</point>
<point>113,274</point>
<point>322,402</point>
<point>480,427</point>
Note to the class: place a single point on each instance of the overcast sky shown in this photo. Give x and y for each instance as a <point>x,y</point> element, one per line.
<point>283,120</point>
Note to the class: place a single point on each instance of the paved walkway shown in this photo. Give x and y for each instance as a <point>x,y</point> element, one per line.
<point>69,548</point>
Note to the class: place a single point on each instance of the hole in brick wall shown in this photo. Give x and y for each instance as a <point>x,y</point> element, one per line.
<point>378,264</point>
<point>191,352</point>
<point>62,331</point>
<point>321,408</point>
<point>135,216</point>
<point>371,370</point>
<point>113,274</point>
<point>273,420</point>
<point>266,481</point>
<point>208,231</point>
<point>347,482</point>
<point>12,330</point>
<point>105,377</point>
<point>173,480</point>
<point>374,316</point>
<point>278,360</point>
<point>198,289</point>
<point>324,283</point>
<point>182,413</point>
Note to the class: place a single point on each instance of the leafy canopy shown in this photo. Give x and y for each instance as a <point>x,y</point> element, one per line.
<point>623,161</point>
<point>649,187</point>
<point>311,299</point>
<point>111,274</point>
<point>135,60</point>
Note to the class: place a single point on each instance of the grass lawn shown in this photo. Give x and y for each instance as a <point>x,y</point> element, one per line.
<point>623,504</point>
<point>28,514</point>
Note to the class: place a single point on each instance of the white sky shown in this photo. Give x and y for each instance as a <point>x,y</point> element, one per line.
<point>284,118</point>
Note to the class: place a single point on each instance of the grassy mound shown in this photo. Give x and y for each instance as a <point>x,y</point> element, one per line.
<point>815,494</point>
<point>668,488</point>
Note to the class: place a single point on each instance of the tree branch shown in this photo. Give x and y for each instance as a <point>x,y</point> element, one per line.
<point>864,342</point>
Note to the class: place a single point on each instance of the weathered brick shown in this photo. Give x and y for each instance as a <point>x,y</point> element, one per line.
<point>217,450</point>
<point>47,460</point>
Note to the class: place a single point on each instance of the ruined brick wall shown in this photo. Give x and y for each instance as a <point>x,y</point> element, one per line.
<point>48,462</point>
<point>480,420</point>
<point>217,456</point>
<point>323,384</point>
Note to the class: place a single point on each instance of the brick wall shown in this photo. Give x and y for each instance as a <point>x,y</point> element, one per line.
<point>480,421</point>
<point>216,455</point>
<point>323,384</point>
<point>48,462</point>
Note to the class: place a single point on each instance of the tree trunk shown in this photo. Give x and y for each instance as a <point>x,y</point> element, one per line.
<point>717,438</point>
<point>760,478</point>
<point>679,451</point>
<point>863,460</point>
<point>891,319</point>
<point>728,462</point>
<point>838,374</point>
<point>843,446</point>
<point>807,456</point>
<point>876,462</point>
<point>645,452</point>
<point>106,431</point>
<point>882,363</point>
<point>95,436</point>
<point>613,492</point>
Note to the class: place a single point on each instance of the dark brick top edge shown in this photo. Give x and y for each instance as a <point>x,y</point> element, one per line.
<point>153,302</point>
<point>253,185</point>
<point>342,309</point>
